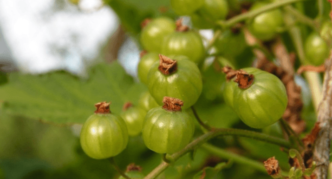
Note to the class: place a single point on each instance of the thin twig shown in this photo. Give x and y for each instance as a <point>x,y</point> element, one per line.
<point>301,17</point>
<point>304,68</point>
<point>292,135</point>
<point>207,127</point>
<point>118,169</point>
<point>213,40</point>
<point>251,14</point>
<point>299,158</point>
<point>322,143</point>
<point>214,133</point>
<point>312,77</point>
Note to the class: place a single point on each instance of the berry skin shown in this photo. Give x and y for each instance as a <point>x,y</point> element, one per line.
<point>209,13</point>
<point>154,33</point>
<point>186,7</point>
<point>167,130</point>
<point>145,64</point>
<point>134,118</point>
<point>103,135</point>
<point>316,49</point>
<point>186,43</point>
<point>261,103</point>
<point>265,25</point>
<point>183,80</point>
<point>147,102</point>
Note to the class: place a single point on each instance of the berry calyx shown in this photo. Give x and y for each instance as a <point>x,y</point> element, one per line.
<point>127,105</point>
<point>145,22</point>
<point>102,108</point>
<point>180,27</point>
<point>167,66</point>
<point>133,167</point>
<point>172,104</point>
<point>242,78</point>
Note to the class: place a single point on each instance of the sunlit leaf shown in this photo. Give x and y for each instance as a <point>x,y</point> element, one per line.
<point>60,97</point>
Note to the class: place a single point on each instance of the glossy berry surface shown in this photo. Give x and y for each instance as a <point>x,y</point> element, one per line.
<point>262,103</point>
<point>316,49</point>
<point>155,31</point>
<point>103,136</point>
<point>265,25</point>
<point>147,102</point>
<point>187,43</point>
<point>186,7</point>
<point>226,42</point>
<point>145,64</point>
<point>211,11</point>
<point>134,118</point>
<point>167,131</point>
<point>185,83</point>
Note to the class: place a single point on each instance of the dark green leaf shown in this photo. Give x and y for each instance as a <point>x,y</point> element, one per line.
<point>209,172</point>
<point>59,97</point>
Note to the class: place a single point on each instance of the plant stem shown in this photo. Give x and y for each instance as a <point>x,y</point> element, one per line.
<point>251,14</point>
<point>207,127</point>
<point>299,158</point>
<point>213,40</point>
<point>312,77</point>
<point>118,169</point>
<point>292,135</point>
<point>214,133</point>
<point>235,157</point>
<point>301,17</point>
<point>320,8</point>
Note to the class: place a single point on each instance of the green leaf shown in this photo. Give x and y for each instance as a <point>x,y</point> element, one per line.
<point>60,97</point>
<point>132,12</point>
<point>209,172</point>
<point>17,169</point>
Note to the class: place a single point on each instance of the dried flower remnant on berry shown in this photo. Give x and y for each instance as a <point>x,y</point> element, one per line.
<point>133,167</point>
<point>102,108</point>
<point>143,52</point>
<point>172,104</point>
<point>145,22</point>
<point>127,105</point>
<point>272,166</point>
<point>180,27</point>
<point>167,66</point>
<point>242,78</point>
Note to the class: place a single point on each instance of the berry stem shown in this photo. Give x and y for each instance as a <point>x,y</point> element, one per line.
<point>301,17</point>
<point>215,133</point>
<point>251,14</point>
<point>203,124</point>
<point>116,167</point>
<point>299,158</point>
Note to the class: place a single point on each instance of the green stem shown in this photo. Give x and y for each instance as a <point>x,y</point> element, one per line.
<point>214,133</point>
<point>320,8</point>
<point>251,14</point>
<point>312,77</point>
<point>236,158</point>
<point>213,40</point>
<point>118,169</point>
<point>292,135</point>
<point>207,127</point>
<point>299,158</point>
<point>301,17</point>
